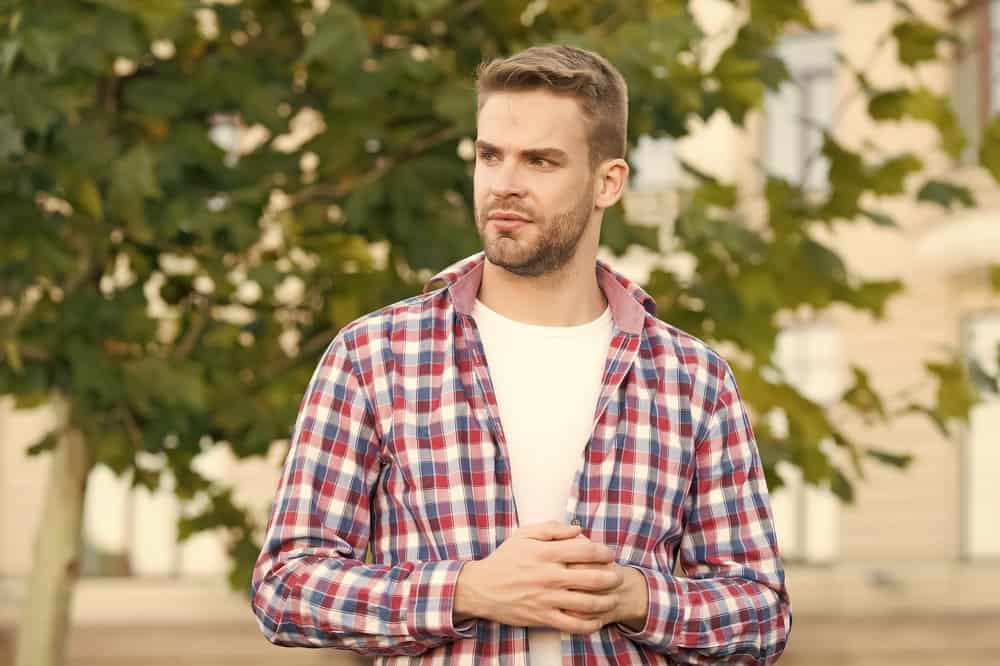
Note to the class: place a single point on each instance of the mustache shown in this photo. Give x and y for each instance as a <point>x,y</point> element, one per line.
<point>506,206</point>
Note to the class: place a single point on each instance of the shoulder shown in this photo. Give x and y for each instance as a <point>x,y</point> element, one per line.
<point>380,327</point>
<point>696,369</point>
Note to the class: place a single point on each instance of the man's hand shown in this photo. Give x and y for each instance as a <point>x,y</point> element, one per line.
<point>531,581</point>
<point>632,600</point>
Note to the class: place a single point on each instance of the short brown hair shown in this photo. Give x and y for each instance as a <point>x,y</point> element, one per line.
<point>584,75</point>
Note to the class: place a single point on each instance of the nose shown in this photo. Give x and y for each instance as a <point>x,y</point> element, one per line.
<point>508,181</point>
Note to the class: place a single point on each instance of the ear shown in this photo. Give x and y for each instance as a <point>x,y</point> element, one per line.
<point>612,175</point>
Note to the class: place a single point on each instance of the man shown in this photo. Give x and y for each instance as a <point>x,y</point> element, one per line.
<point>526,450</point>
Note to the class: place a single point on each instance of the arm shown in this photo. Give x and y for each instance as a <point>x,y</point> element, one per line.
<point>732,606</point>
<point>311,586</point>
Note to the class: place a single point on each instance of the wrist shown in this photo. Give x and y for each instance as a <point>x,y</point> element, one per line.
<point>635,606</point>
<point>465,606</point>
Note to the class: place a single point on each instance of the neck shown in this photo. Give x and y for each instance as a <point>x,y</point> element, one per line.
<point>569,296</point>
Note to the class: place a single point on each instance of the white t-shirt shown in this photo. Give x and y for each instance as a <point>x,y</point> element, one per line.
<point>547,381</point>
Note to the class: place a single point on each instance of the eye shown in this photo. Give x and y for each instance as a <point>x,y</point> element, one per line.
<point>540,161</point>
<point>487,156</point>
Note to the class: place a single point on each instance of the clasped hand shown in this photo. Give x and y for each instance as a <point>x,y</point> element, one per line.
<point>550,575</point>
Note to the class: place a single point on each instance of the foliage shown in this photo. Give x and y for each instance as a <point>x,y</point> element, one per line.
<point>179,247</point>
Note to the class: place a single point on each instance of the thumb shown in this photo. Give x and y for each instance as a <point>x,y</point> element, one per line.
<point>549,531</point>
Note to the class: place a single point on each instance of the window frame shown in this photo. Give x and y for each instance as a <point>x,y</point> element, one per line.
<point>966,452</point>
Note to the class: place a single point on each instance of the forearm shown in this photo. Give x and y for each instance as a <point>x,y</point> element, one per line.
<point>732,620</point>
<point>322,601</point>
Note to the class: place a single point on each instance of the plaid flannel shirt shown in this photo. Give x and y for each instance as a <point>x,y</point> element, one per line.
<point>398,450</point>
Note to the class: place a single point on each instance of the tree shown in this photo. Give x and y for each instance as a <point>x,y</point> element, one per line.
<point>194,198</point>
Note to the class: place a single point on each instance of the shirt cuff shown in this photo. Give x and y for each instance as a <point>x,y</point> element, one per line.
<point>665,613</point>
<point>432,601</point>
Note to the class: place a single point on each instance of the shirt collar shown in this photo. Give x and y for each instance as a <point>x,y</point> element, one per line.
<point>628,301</point>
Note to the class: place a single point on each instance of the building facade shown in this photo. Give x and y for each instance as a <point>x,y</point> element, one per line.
<point>908,574</point>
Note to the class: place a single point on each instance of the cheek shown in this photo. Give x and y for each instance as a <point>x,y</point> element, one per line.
<point>480,185</point>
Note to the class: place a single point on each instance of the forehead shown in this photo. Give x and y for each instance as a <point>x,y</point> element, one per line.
<point>531,119</point>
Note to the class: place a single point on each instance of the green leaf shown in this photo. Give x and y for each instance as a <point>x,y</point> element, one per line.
<point>995,277</point>
<point>898,460</point>
<point>823,261</point>
<point>112,448</point>
<point>982,380</point>
<point>157,15</point>
<point>9,50</point>
<point>710,190</point>
<point>917,41</point>
<point>888,104</point>
<point>841,487</point>
<point>848,179</point>
<point>456,102</point>
<point>772,17</point>
<point>11,137</point>
<point>43,48</point>
<point>956,396</point>
<point>935,418</point>
<point>340,41</point>
<point>244,554</point>
<point>153,382</point>
<point>925,105</point>
<point>880,218</point>
<point>744,71</point>
<point>89,198</point>
<point>862,397</point>
<point>30,105</point>
<point>617,234</point>
<point>133,179</point>
<point>946,194</point>
<point>46,443</point>
<point>889,177</point>
<point>989,148</point>
<point>873,295</point>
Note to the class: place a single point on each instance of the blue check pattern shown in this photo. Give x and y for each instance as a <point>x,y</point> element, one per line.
<point>397,475</point>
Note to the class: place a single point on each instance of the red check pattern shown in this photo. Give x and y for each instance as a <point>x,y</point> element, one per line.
<point>398,451</point>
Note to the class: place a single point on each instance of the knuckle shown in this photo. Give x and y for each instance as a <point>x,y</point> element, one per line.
<point>599,580</point>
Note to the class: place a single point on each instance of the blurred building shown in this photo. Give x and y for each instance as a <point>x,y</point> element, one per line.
<point>910,574</point>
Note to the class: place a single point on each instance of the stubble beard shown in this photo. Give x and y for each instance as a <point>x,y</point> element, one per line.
<point>553,245</point>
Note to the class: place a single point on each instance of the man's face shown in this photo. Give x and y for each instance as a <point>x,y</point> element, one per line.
<point>534,188</point>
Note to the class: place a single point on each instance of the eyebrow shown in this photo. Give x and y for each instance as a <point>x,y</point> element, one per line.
<point>546,152</point>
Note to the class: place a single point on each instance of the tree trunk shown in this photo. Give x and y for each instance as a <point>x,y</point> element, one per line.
<point>43,626</point>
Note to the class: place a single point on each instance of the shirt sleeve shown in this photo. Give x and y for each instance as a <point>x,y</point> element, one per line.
<point>731,606</point>
<point>311,586</point>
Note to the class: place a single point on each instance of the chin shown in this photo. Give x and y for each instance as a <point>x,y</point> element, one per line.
<point>521,263</point>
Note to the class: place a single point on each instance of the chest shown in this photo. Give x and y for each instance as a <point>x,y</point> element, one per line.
<point>447,480</point>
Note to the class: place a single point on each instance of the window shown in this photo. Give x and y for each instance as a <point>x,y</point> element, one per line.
<point>807,517</point>
<point>981,450</point>
<point>977,75</point>
<point>133,531</point>
<point>655,162</point>
<point>801,110</point>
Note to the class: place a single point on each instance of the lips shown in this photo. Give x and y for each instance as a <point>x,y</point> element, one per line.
<point>507,221</point>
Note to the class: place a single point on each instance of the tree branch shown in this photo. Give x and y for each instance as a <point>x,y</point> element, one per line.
<point>199,321</point>
<point>383,165</point>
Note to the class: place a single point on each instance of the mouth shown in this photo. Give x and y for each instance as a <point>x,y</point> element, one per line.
<point>507,221</point>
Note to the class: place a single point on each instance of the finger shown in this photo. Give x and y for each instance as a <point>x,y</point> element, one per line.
<point>590,566</point>
<point>587,616</point>
<point>549,531</point>
<point>592,579</point>
<point>581,550</point>
<point>574,625</point>
<point>585,603</point>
